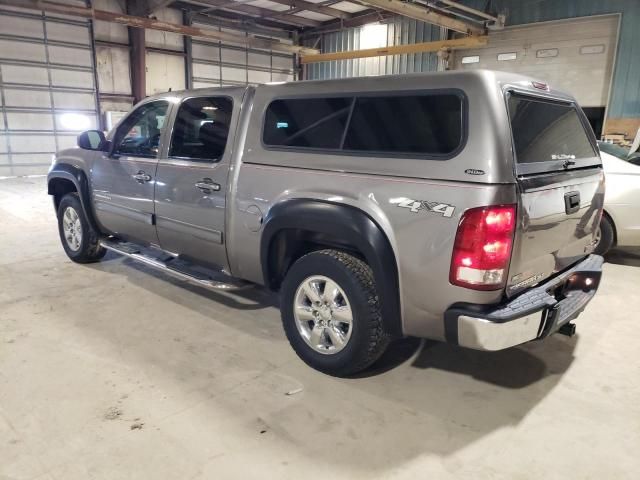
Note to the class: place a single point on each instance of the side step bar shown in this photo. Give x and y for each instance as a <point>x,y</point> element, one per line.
<point>174,266</point>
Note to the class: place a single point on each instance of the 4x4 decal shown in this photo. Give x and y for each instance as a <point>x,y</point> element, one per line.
<point>415,206</point>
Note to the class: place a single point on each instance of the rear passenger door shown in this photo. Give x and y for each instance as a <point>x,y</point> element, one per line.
<point>191,182</point>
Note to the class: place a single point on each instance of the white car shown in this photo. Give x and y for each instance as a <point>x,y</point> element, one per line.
<point>620,224</point>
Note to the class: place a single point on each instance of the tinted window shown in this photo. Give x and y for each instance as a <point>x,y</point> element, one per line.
<point>546,131</point>
<point>417,124</point>
<point>139,135</point>
<point>311,122</point>
<point>201,128</point>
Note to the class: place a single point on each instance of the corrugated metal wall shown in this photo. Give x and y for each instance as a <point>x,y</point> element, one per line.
<point>401,31</point>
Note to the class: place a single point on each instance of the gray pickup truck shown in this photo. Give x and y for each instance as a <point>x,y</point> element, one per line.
<point>457,206</point>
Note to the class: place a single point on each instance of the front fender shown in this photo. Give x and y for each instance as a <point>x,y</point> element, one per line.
<point>79,179</point>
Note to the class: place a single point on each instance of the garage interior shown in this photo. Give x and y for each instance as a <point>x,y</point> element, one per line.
<point>112,370</point>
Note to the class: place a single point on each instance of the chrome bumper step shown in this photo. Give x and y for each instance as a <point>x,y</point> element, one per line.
<point>194,274</point>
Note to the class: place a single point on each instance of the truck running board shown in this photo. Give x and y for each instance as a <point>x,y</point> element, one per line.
<point>175,266</point>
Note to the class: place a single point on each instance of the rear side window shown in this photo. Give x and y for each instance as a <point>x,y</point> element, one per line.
<point>201,128</point>
<point>413,124</point>
<point>547,131</point>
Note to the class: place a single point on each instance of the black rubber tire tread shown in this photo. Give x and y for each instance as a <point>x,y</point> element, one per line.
<point>606,236</point>
<point>90,250</point>
<point>368,339</point>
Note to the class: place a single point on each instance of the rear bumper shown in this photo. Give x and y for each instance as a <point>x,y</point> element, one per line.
<point>535,314</point>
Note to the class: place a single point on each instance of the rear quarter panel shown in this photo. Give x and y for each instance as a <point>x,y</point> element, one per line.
<point>422,240</point>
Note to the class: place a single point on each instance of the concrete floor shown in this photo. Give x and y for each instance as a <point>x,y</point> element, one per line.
<point>112,371</point>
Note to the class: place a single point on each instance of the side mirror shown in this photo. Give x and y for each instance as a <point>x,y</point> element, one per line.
<point>92,140</point>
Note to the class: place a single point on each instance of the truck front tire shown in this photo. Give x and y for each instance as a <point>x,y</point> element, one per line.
<point>80,241</point>
<point>331,312</point>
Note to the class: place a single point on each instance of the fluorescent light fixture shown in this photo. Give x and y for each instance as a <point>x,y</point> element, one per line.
<point>75,121</point>
<point>373,36</point>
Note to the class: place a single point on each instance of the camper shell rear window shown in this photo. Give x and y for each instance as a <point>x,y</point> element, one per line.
<point>548,132</point>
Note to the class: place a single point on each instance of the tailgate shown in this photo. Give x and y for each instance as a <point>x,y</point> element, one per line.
<point>561,188</point>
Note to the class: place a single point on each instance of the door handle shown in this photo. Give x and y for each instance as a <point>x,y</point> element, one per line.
<point>142,177</point>
<point>207,185</point>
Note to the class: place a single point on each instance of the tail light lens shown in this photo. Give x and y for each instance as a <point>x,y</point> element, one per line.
<point>482,249</point>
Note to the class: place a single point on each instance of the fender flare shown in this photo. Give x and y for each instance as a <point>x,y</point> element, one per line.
<point>349,224</point>
<point>76,176</point>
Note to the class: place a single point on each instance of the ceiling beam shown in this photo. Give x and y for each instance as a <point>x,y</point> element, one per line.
<point>313,7</point>
<point>456,44</point>
<point>357,20</point>
<point>418,12</point>
<point>152,24</point>
<point>257,12</point>
<point>248,24</point>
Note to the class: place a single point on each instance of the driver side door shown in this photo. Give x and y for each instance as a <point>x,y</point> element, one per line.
<point>123,181</point>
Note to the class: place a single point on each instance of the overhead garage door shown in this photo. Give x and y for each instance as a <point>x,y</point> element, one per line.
<point>47,88</point>
<point>220,64</point>
<point>575,55</point>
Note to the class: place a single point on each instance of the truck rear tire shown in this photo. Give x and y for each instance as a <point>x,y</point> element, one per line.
<point>80,241</point>
<point>331,313</point>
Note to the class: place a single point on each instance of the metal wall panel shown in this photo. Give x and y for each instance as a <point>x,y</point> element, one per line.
<point>400,31</point>
<point>47,88</point>
<point>218,63</point>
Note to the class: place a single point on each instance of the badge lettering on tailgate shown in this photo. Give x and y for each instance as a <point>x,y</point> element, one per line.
<point>415,206</point>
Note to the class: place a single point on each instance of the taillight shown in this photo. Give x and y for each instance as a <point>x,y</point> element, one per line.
<point>482,249</point>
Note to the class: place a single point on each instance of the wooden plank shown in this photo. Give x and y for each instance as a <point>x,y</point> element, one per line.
<point>456,44</point>
<point>152,24</point>
<point>418,12</point>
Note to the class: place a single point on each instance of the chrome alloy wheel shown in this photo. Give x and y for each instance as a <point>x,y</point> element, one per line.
<point>597,238</point>
<point>72,228</point>
<point>323,314</point>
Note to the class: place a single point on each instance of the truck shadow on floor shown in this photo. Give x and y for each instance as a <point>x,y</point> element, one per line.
<point>624,256</point>
<point>513,368</point>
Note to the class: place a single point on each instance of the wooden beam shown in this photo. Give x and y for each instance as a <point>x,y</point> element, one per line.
<point>418,12</point>
<point>148,23</point>
<point>312,7</point>
<point>456,44</point>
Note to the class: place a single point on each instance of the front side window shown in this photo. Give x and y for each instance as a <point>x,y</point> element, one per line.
<point>201,128</point>
<point>139,135</point>
<point>547,131</point>
<point>429,124</point>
